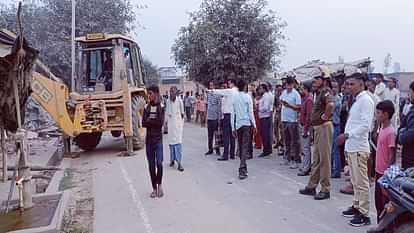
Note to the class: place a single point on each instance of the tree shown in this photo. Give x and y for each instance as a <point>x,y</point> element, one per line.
<point>151,70</point>
<point>387,63</point>
<point>47,25</point>
<point>233,38</point>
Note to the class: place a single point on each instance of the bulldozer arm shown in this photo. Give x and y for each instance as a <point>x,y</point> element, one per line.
<point>53,95</point>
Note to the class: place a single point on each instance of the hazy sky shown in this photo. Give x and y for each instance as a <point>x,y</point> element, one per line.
<point>317,29</point>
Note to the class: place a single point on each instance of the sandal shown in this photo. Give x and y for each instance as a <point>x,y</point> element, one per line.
<point>160,192</point>
<point>153,194</point>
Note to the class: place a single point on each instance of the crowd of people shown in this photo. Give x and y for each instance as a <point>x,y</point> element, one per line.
<point>325,128</point>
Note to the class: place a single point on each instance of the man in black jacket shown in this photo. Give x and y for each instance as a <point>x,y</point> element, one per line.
<point>406,135</point>
<point>153,120</point>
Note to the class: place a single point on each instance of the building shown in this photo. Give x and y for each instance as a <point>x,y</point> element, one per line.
<point>171,76</point>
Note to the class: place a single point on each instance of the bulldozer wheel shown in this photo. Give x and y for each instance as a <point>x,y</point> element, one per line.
<point>88,141</point>
<point>138,104</point>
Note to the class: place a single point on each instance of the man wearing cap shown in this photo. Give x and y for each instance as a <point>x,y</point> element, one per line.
<point>357,149</point>
<point>321,121</point>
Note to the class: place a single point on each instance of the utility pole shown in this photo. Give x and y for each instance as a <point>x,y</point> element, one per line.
<point>72,82</point>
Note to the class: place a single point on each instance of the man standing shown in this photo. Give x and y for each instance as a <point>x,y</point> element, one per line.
<point>213,116</point>
<point>243,124</point>
<point>406,135</point>
<point>265,117</point>
<point>336,120</point>
<point>380,88</point>
<point>291,104</point>
<point>277,124</point>
<point>175,114</point>
<point>357,149</point>
<point>393,94</point>
<point>323,108</point>
<point>305,122</point>
<point>153,120</point>
<point>188,105</point>
<point>229,141</point>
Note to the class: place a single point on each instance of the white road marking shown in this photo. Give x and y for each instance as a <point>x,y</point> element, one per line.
<point>137,201</point>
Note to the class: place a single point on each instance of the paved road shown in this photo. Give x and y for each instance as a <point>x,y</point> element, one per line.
<point>207,197</point>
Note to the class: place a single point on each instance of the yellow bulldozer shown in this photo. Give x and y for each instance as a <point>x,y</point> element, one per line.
<point>109,93</point>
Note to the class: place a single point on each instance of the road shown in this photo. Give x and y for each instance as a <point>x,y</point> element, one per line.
<point>207,197</point>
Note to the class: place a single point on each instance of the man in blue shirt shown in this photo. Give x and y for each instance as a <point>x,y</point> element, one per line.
<point>243,124</point>
<point>336,120</point>
<point>291,102</point>
<point>213,116</point>
<point>406,135</point>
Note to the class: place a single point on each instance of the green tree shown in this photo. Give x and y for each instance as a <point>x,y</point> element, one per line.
<point>233,38</point>
<point>151,71</point>
<point>47,25</point>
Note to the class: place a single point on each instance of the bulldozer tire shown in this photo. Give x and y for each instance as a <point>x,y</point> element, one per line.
<point>88,141</point>
<point>138,139</point>
<point>116,134</point>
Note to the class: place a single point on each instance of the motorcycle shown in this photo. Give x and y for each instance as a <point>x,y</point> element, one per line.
<point>400,209</point>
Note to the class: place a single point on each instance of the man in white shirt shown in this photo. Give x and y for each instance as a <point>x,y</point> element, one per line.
<point>393,94</point>
<point>227,108</point>
<point>265,117</point>
<point>380,88</point>
<point>175,115</point>
<point>357,149</point>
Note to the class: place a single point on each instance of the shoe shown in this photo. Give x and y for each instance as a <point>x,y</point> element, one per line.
<point>242,176</point>
<point>209,152</point>
<point>294,165</point>
<point>180,168</point>
<point>360,220</point>
<point>307,191</point>
<point>262,155</point>
<point>233,157</point>
<point>218,152</point>
<point>322,196</point>
<point>281,153</point>
<point>172,164</point>
<point>350,212</point>
<point>284,162</point>
<point>349,190</point>
<point>304,173</point>
<point>222,159</point>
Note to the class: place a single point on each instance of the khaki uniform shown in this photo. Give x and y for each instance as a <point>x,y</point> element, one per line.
<point>323,133</point>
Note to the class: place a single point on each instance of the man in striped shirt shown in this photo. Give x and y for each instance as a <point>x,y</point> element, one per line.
<point>213,116</point>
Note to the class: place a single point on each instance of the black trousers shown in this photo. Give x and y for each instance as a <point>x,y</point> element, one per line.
<point>188,113</point>
<point>292,141</point>
<point>266,133</point>
<point>229,140</point>
<point>212,126</point>
<point>155,158</point>
<point>244,139</point>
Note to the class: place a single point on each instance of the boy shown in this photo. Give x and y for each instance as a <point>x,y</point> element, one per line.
<point>153,120</point>
<point>385,155</point>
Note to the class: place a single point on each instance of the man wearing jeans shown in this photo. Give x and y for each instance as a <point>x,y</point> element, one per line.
<point>213,116</point>
<point>357,149</point>
<point>243,124</point>
<point>291,102</point>
<point>305,121</point>
<point>229,141</point>
<point>153,120</point>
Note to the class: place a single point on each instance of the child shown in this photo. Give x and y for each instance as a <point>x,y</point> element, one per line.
<point>385,155</point>
<point>153,120</point>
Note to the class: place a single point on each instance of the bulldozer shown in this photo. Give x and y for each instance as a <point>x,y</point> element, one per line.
<point>109,93</point>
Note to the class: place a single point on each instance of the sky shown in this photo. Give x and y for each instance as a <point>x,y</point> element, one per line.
<point>317,29</point>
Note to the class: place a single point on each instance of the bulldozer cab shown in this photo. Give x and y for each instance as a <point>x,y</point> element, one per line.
<point>106,61</point>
